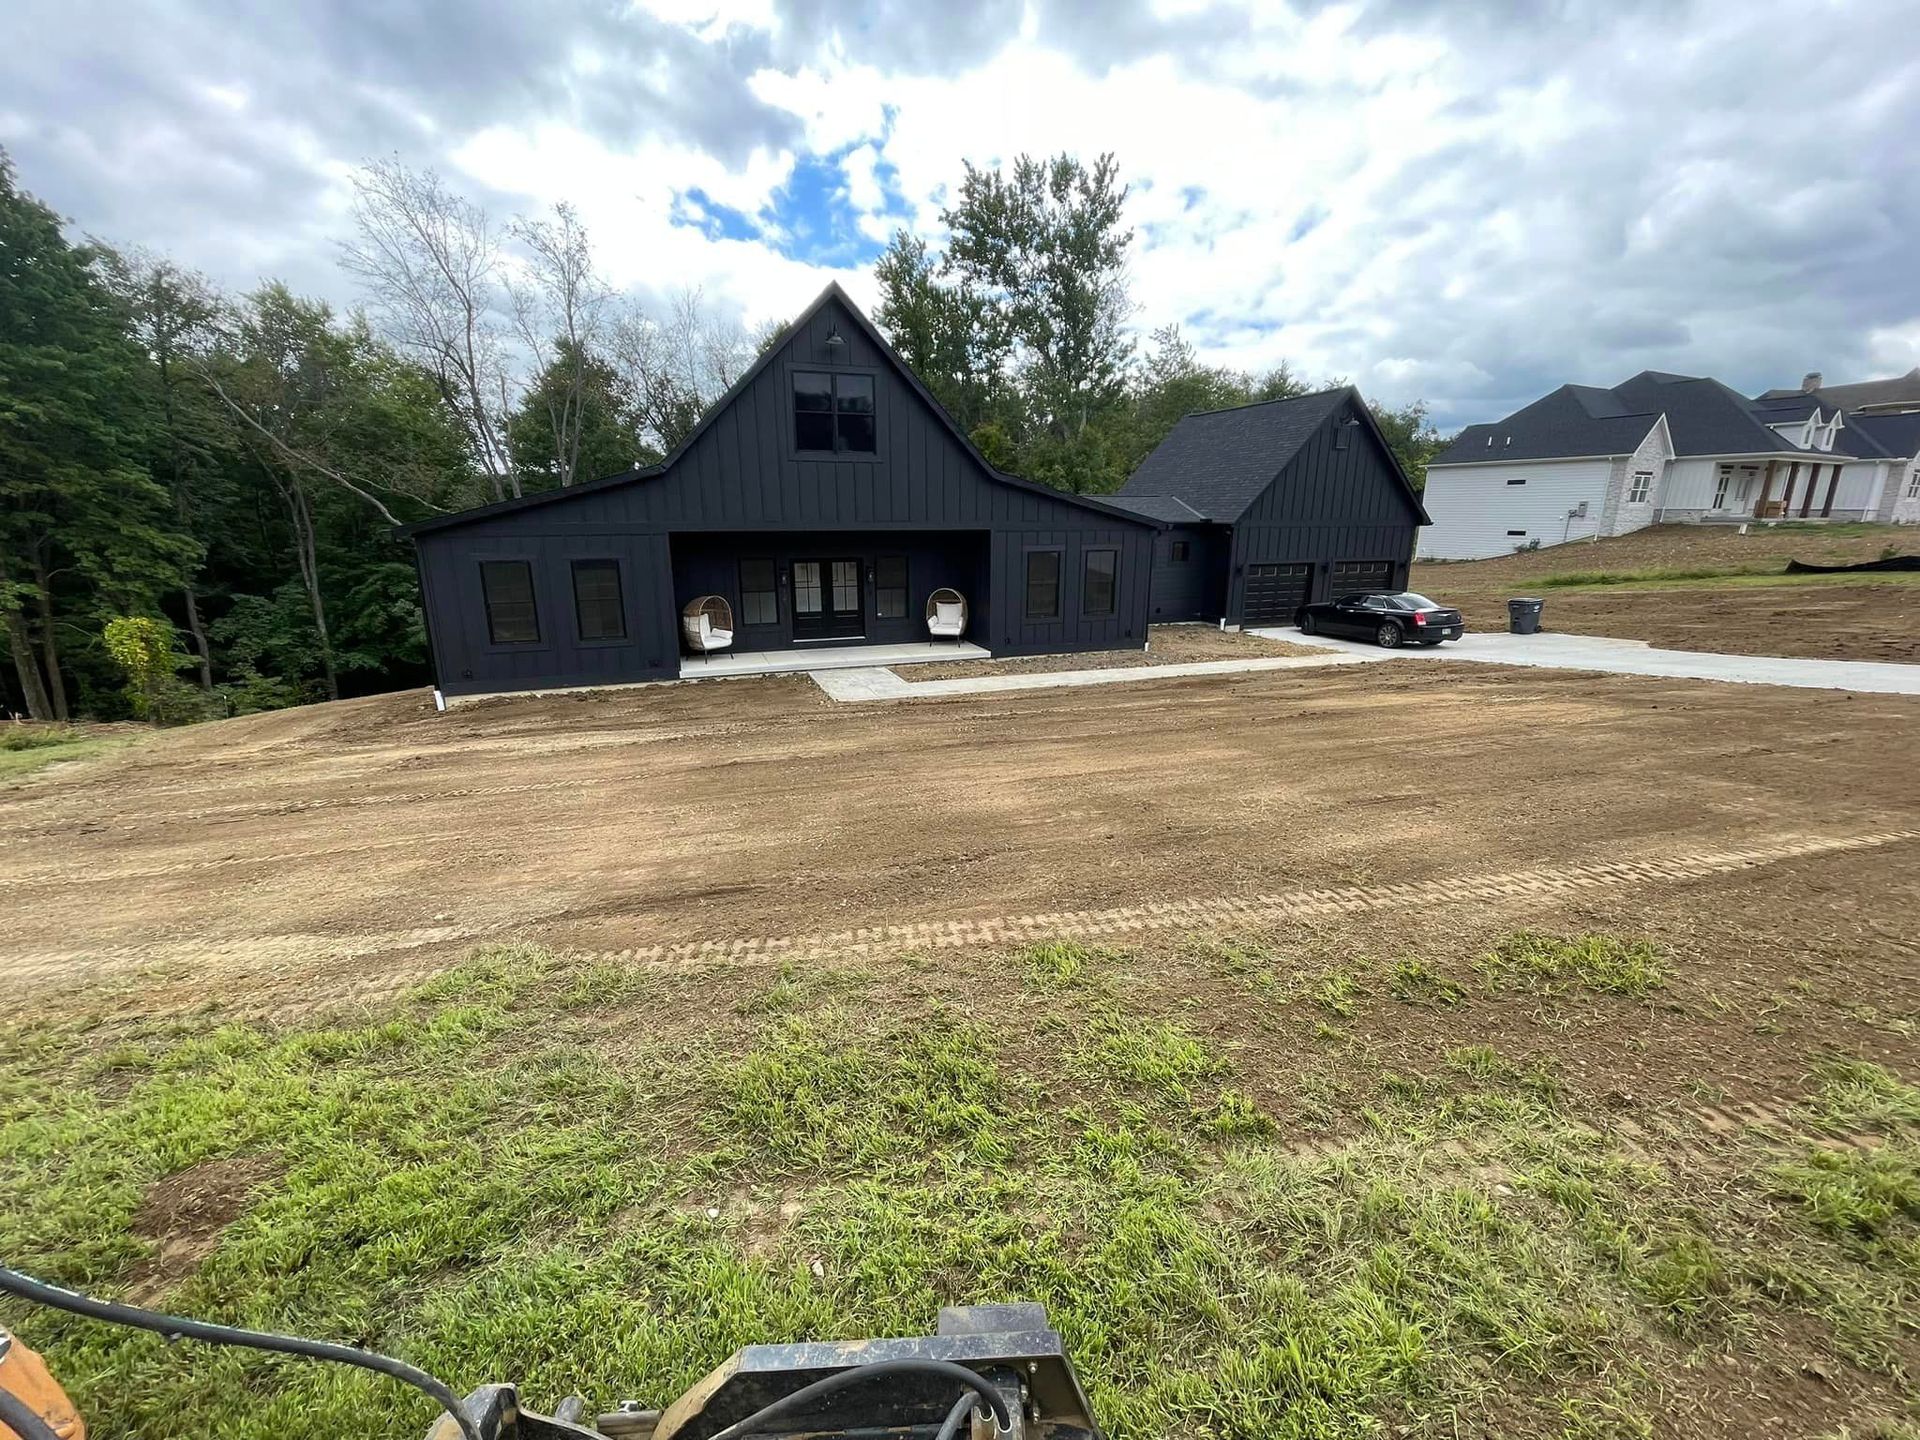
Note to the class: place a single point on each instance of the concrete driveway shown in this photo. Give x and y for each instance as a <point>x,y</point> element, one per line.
<point>1636,657</point>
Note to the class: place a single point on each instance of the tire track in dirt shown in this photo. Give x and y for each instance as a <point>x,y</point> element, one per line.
<point>271,951</point>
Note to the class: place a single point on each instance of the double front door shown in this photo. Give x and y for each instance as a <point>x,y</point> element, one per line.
<point>826,600</point>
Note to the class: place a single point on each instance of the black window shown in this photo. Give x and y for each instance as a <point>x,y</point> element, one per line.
<point>596,600</point>
<point>812,410</point>
<point>833,412</point>
<point>1043,584</point>
<point>853,414</point>
<point>759,604</point>
<point>507,588</point>
<point>890,587</point>
<point>1179,549</point>
<point>1096,582</point>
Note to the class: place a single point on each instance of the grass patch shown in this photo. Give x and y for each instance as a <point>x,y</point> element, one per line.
<point>501,1177</point>
<point>1414,982</point>
<point>1062,965</point>
<point>1599,962</point>
<point>1595,579</point>
<point>25,748</point>
<point>1710,580</point>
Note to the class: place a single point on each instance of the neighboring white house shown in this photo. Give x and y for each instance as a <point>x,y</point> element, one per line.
<point>1584,462</point>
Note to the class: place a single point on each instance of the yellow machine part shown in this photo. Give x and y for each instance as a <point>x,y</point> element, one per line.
<point>24,1375</point>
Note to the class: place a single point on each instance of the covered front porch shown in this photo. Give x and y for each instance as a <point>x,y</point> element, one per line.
<point>791,595</point>
<point>1777,489</point>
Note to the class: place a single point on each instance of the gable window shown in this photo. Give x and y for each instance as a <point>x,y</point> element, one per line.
<point>1521,480</point>
<point>1913,485</point>
<point>890,587</point>
<point>833,413</point>
<point>1043,584</point>
<point>1641,488</point>
<point>1180,550</point>
<point>506,587</point>
<point>759,601</point>
<point>597,607</point>
<point>1097,574</point>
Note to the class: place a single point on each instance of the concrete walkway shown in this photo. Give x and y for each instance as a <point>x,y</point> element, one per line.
<point>881,684</point>
<point>1635,657</point>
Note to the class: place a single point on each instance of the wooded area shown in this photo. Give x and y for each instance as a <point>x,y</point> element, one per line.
<point>200,487</point>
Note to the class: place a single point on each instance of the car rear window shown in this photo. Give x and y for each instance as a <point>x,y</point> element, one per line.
<point>1411,601</point>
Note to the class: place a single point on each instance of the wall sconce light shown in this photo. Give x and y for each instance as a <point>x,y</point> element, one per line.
<point>836,342</point>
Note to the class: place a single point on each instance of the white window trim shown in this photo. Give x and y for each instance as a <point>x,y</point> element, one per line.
<point>1640,487</point>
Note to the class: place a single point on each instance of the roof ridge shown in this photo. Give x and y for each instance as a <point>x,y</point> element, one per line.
<point>1276,400</point>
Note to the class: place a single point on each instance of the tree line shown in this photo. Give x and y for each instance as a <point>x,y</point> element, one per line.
<point>198,488</point>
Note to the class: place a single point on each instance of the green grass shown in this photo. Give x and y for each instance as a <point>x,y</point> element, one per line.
<point>26,748</point>
<point>1708,579</point>
<point>1604,963</point>
<point>529,1171</point>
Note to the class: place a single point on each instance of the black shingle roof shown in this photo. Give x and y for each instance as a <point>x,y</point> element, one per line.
<point>1898,389</point>
<point>1704,417</point>
<point>1897,436</point>
<point>1216,462</point>
<point>1169,508</point>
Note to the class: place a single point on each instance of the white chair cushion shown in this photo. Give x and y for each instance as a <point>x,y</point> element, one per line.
<point>947,613</point>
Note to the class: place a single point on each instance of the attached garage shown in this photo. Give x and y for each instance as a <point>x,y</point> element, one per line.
<point>1275,593</point>
<point>1356,577</point>
<point>1301,500</point>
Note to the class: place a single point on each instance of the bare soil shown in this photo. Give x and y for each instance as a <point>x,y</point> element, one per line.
<point>1832,620</point>
<point>316,854</point>
<point>1166,645</point>
<point>183,1216</point>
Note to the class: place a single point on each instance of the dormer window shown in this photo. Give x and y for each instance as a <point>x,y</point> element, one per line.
<point>833,413</point>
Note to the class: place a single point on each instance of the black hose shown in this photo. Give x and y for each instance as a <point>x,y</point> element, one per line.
<point>945,1369</point>
<point>15,1415</point>
<point>12,1282</point>
<point>963,1409</point>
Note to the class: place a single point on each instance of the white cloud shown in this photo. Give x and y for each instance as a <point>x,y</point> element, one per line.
<point>1462,202</point>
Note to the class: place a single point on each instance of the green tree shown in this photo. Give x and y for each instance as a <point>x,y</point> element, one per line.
<point>949,334</point>
<point>83,528</point>
<point>579,397</point>
<point>1046,249</point>
<point>145,650</point>
<point>1411,437</point>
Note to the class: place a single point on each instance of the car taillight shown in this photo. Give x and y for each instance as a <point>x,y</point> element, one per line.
<point>1419,618</point>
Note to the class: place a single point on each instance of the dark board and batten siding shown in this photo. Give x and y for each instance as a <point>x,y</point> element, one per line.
<point>1329,503</point>
<point>742,473</point>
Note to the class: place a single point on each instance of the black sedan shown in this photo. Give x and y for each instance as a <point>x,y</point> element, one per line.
<point>1385,619</point>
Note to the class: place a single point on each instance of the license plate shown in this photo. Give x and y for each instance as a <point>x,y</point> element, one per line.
<point>1450,632</point>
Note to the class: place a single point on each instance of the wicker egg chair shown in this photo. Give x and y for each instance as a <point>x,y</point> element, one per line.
<point>707,624</point>
<point>946,616</point>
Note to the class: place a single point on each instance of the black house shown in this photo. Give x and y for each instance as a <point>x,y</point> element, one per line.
<point>1271,506</point>
<point>825,497</point>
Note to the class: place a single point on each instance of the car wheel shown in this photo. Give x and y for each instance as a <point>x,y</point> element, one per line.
<point>1389,635</point>
<point>1309,625</point>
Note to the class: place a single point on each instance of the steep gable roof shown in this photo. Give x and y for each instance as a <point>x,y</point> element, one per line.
<point>833,293</point>
<point>1215,463</point>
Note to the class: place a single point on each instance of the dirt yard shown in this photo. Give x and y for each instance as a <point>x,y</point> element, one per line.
<point>1737,611</point>
<point>1167,645</point>
<point>1423,1050</point>
<point>350,843</point>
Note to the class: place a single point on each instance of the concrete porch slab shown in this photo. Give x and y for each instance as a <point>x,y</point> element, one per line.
<point>822,657</point>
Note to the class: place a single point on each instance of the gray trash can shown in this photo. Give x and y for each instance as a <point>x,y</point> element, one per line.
<point>1523,616</point>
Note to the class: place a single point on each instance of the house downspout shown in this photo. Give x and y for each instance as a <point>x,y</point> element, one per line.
<point>426,624</point>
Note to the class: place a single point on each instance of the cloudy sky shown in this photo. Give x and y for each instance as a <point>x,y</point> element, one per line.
<point>1469,201</point>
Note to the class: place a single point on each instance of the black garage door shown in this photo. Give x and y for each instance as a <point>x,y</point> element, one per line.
<point>1351,577</point>
<point>1276,592</point>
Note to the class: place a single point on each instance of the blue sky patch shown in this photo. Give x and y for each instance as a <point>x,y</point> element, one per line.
<point>810,218</point>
